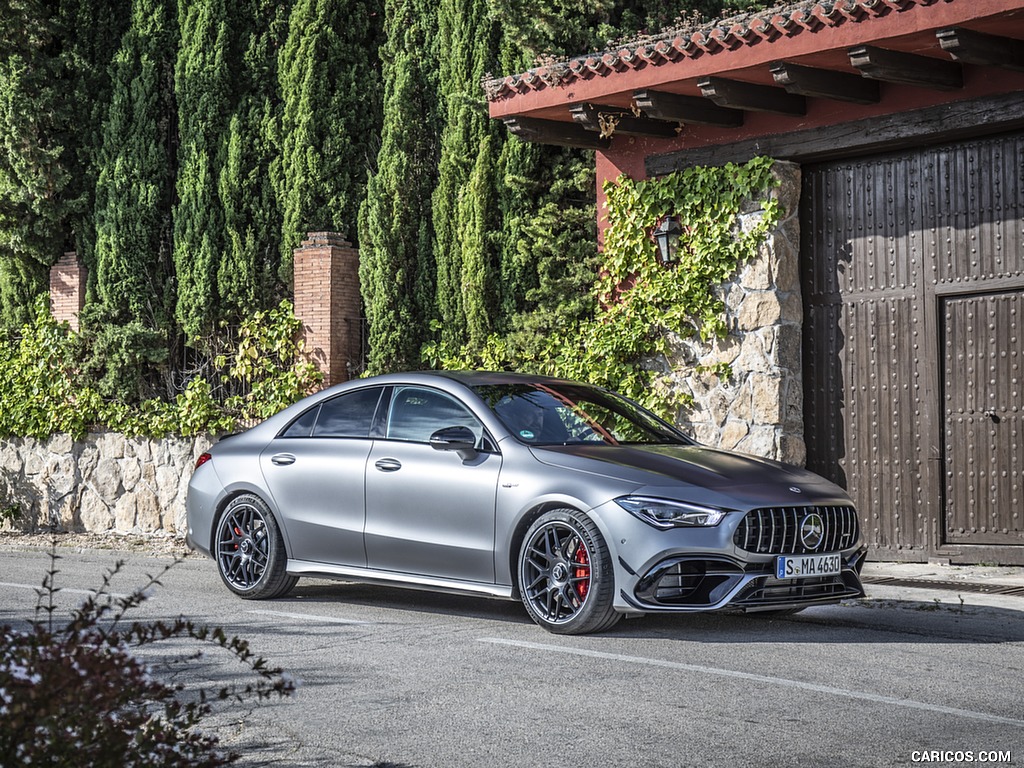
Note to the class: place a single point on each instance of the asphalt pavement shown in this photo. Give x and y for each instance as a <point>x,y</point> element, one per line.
<point>927,669</point>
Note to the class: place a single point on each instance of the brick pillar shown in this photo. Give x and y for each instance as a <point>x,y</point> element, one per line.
<point>67,289</point>
<point>327,302</point>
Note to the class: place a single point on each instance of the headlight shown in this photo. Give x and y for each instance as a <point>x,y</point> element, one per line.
<point>662,513</point>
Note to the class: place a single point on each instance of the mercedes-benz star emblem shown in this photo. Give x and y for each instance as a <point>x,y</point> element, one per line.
<point>812,531</point>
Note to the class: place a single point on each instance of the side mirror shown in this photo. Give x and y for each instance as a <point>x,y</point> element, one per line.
<point>460,439</point>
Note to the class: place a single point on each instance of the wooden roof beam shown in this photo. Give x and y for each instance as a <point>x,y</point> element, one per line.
<point>825,83</point>
<point>907,68</point>
<point>607,120</point>
<point>555,132</point>
<point>972,47</point>
<point>736,94</point>
<point>686,109</point>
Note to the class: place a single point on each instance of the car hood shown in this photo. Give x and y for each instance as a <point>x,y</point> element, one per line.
<point>671,469</point>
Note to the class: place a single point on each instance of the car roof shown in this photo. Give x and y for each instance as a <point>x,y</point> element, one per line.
<point>476,378</point>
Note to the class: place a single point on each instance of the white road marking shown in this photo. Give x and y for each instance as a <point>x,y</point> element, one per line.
<point>308,617</point>
<point>780,681</point>
<point>58,588</point>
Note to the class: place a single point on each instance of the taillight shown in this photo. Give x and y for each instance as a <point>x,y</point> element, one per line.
<point>203,458</point>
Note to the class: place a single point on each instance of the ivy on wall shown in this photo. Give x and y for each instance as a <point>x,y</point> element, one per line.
<point>44,389</point>
<point>642,305</point>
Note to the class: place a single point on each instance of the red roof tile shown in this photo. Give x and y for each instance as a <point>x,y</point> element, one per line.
<point>769,26</point>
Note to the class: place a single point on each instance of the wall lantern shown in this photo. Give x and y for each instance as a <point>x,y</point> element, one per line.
<point>666,235</point>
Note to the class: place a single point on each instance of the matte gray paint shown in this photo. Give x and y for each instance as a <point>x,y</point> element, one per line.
<point>435,520</point>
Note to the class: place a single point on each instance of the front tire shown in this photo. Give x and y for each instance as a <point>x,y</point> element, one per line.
<point>565,574</point>
<point>249,550</point>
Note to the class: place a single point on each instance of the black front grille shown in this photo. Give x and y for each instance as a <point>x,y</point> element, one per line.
<point>776,530</point>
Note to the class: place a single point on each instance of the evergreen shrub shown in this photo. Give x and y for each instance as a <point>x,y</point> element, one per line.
<point>48,386</point>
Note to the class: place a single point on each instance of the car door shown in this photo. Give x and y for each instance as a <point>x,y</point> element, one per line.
<point>315,471</point>
<point>429,511</point>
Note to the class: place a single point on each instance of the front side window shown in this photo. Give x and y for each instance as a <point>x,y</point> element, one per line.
<point>417,413</point>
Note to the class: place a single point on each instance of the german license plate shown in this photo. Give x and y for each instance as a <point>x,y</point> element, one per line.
<point>805,566</point>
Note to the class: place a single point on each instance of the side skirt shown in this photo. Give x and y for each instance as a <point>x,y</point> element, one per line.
<point>392,579</point>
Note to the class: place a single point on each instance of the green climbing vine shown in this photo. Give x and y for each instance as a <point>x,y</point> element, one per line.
<point>44,389</point>
<point>642,306</point>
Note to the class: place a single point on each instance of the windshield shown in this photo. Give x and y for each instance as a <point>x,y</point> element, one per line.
<point>569,414</point>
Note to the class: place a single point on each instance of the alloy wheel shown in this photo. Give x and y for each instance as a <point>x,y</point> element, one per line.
<point>556,572</point>
<point>243,546</point>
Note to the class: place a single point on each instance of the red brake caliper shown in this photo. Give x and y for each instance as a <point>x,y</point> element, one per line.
<point>238,532</point>
<point>582,571</point>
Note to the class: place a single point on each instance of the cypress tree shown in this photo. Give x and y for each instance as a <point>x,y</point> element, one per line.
<point>520,185</point>
<point>547,240</point>
<point>135,186</point>
<point>553,27</point>
<point>463,216</point>
<point>22,278</point>
<point>330,86</point>
<point>395,224</point>
<point>477,215</point>
<point>204,88</point>
<point>93,31</point>
<point>129,327</point>
<point>247,273</point>
<point>33,161</point>
<point>54,92</point>
<point>571,27</point>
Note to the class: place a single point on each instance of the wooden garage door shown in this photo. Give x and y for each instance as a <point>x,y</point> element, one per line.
<point>912,261</point>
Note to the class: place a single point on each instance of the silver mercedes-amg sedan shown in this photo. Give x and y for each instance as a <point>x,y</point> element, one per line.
<point>568,497</point>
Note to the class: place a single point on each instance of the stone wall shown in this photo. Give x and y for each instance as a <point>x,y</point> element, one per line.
<point>104,482</point>
<point>758,410</point>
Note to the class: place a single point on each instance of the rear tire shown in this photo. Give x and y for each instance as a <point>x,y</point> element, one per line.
<point>249,550</point>
<point>565,574</point>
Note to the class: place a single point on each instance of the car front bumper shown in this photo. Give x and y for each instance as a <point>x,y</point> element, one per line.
<point>712,582</point>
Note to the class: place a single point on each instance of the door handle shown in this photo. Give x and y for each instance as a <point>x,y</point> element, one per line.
<point>388,465</point>
<point>282,459</point>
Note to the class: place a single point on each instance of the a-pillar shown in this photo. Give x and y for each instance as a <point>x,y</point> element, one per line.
<point>67,289</point>
<point>327,302</point>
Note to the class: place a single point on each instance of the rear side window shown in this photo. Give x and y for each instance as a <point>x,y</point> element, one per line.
<point>303,426</point>
<point>348,415</point>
